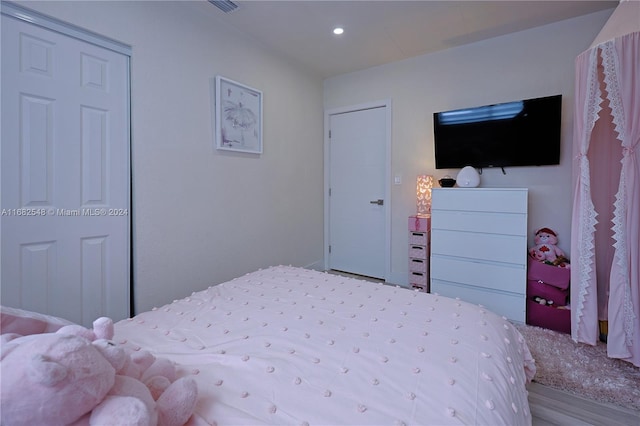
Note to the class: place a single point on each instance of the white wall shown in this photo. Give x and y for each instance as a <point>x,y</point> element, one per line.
<point>203,216</point>
<point>533,63</point>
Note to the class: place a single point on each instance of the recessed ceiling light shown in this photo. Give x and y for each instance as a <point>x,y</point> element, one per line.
<point>338,30</point>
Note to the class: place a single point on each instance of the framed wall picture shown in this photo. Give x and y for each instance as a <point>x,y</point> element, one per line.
<point>238,119</point>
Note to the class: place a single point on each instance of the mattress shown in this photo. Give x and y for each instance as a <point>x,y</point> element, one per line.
<point>291,346</point>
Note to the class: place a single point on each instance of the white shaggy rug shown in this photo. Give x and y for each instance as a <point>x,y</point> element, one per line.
<point>582,369</point>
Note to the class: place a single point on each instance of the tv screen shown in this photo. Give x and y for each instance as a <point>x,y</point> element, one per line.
<point>519,133</point>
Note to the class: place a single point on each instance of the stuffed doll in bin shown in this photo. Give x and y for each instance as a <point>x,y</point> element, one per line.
<point>546,250</point>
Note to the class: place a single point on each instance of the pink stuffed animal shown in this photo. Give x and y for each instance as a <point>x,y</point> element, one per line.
<point>546,250</point>
<point>52,377</point>
<point>102,329</point>
<point>77,377</point>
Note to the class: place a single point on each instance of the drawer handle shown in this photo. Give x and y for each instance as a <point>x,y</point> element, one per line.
<point>417,260</point>
<point>378,202</point>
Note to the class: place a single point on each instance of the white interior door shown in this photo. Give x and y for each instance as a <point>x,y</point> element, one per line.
<point>357,191</point>
<point>65,176</point>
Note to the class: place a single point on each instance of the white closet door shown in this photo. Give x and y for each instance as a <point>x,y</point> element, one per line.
<point>65,175</point>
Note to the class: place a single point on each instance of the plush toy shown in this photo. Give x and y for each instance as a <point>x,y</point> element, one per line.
<point>546,250</point>
<point>76,376</point>
<point>102,329</point>
<point>542,301</point>
<point>52,377</point>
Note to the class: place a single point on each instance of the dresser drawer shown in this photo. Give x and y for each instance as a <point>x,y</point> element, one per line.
<point>489,275</point>
<point>480,246</point>
<point>418,278</point>
<point>510,305</point>
<point>421,287</point>
<point>418,252</point>
<point>485,222</point>
<point>418,265</point>
<point>504,200</point>
<point>418,238</point>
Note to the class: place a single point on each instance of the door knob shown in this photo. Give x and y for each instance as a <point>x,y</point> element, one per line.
<point>378,202</point>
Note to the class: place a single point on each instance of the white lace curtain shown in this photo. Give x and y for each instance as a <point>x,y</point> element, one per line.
<point>605,272</point>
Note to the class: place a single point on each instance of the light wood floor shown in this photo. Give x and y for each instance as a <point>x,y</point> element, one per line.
<point>553,407</point>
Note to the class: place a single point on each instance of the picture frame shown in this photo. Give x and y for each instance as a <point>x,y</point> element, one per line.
<point>238,116</point>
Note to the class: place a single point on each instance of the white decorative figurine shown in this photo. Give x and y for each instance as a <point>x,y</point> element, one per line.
<point>468,177</point>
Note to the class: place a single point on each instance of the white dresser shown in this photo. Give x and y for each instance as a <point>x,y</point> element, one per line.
<point>479,247</point>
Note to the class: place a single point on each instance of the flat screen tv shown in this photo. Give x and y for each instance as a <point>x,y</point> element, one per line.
<point>511,134</point>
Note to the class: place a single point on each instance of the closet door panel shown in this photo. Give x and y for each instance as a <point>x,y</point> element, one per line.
<point>65,172</point>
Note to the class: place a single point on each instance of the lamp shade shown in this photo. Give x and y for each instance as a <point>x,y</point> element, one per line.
<point>423,194</point>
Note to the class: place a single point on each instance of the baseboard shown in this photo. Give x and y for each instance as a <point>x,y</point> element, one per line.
<point>317,265</point>
<point>401,279</point>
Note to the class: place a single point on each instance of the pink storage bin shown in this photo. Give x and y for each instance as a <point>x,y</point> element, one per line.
<point>548,317</point>
<point>549,274</point>
<point>548,292</point>
<point>419,223</point>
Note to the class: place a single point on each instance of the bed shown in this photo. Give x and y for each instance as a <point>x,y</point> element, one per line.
<point>292,346</point>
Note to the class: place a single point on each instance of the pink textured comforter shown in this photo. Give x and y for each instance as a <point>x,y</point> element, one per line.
<point>291,346</point>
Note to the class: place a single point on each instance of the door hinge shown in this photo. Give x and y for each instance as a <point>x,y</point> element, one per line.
<point>329,248</point>
<point>329,192</point>
<point>329,134</point>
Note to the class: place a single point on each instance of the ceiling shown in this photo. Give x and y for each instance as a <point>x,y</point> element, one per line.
<point>379,32</point>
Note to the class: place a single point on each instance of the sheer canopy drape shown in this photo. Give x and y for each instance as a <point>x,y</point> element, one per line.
<point>607,94</point>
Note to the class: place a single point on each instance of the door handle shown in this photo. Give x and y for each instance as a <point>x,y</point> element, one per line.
<point>378,202</point>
